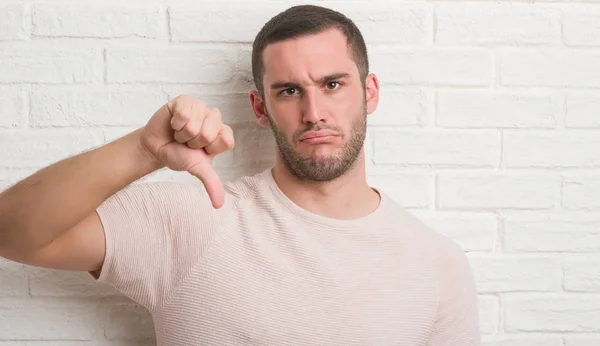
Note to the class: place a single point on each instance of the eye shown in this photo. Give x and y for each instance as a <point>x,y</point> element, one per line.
<point>333,85</point>
<point>289,91</point>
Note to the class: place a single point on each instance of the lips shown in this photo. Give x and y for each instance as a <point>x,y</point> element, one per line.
<point>317,134</point>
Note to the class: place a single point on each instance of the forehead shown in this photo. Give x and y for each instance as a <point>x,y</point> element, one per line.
<point>308,57</point>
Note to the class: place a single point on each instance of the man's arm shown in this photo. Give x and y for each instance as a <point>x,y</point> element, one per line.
<point>49,218</point>
<point>457,321</point>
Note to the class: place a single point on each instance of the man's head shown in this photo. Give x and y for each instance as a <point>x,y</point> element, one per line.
<point>310,68</point>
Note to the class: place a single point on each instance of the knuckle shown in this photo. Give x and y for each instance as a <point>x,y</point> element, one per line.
<point>188,131</point>
<point>228,138</point>
<point>183,98</point>
<point>199,104</point>
<point>179,137</point>
<point>208,135</point>
<point>182,114</point>
<point>193,127</point>
<point>216,114</point>
<point>198,108</point>
<point>229,142</point>
<point>178,101</point>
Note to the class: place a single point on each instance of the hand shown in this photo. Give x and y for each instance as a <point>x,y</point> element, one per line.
<point>185,135</point>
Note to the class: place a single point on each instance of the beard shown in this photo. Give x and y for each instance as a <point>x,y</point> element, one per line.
<point>325,168</point>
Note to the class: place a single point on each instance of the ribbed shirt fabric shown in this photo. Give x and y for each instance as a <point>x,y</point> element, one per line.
<point>263,271</point>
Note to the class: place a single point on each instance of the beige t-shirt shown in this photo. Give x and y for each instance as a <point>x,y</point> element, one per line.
<point>263,271</point>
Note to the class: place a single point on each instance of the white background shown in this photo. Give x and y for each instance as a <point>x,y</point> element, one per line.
<point>488,129</point>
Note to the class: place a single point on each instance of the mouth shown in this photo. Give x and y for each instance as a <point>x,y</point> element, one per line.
<point>321,136</point>
<point>319,140</point>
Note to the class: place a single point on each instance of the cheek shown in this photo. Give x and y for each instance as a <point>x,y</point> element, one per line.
<point>283,125</point>
<point>285,115</point>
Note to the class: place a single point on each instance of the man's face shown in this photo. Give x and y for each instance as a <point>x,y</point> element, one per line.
<point>315,104</point>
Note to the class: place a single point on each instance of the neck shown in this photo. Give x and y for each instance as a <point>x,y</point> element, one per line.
<point>346,197</point>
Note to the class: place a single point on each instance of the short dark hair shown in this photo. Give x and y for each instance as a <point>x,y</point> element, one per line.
<point>305,20</point>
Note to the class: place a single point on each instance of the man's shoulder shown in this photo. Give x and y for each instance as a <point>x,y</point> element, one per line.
<point>410,223</point>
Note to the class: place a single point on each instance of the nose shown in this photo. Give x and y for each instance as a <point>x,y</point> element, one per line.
<point>311,107</point>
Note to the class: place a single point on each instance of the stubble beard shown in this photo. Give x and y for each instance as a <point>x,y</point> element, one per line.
<point>324,168</point>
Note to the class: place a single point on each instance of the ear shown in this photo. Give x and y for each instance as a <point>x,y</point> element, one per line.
<point>372,92</point>
<point>259,107</point>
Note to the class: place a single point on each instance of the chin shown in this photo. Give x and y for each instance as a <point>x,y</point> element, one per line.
<point>322,152</point>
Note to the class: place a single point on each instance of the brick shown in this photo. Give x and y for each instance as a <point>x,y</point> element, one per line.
<point>582,275</point>
<point>485,109</point>
<point>408,189</point>
<point>489,314</point>
<point>472,231</point>
<point>552,313</point>
<point>29,64</point>
<point>254,146</point>
<point>497,24</point>
<point>581,191</point>
<point>30,319</point>
<point>551,150</point>
<point>550,67</point>
<point>581,340</point>
<point>14,279</point>
<point>112,133</point>
<point>61,283</point>
<point>220,22</point>
<point>581,26</point>
<point>171,65</point>
<point>43,147</point>
<point>129,322</point>
<point>497,190</point>
<point>432,147</point>
<point>13,22</point>
<point>243,80</point>
<point>552,232</point>
<point>513,273</point>
<point>12,107</point>
<point>407,24</point>
<point>583,110</point>
<point>94,21</point>
<point>96,106</point>
<point>402,107</point>
<point>522,340</point>
<point>439,66</point>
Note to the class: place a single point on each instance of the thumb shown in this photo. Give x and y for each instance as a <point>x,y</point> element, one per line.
<point>212,183</point>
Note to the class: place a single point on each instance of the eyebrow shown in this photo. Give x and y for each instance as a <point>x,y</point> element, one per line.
<point>323,80</point>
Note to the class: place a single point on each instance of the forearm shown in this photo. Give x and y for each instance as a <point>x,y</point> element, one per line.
<point>36,210</point>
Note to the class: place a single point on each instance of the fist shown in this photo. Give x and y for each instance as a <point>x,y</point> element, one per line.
<point>185,135</point>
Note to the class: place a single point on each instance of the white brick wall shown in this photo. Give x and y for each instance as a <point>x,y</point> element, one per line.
<point>487,130</point>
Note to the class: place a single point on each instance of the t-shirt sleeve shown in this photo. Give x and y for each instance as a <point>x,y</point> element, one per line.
<point>155,232</point>
<point>457,321</point>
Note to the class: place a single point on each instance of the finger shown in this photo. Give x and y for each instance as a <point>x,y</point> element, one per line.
<point>212,183</point>
<point>209,130</point>
<point>223,143</point>
<point>180,109</point>
<point>195,116</point>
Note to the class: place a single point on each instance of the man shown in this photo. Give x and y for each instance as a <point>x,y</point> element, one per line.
<point>304,253</point>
